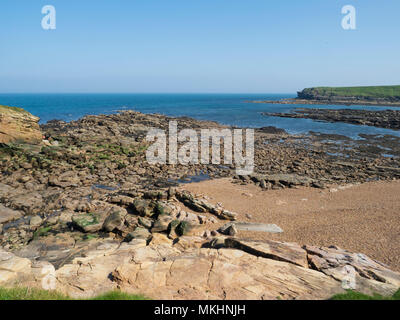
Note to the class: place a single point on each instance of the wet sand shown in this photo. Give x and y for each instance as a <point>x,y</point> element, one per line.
<point>361,218</point>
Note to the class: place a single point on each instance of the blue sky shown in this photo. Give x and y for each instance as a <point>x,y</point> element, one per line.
<point>246,46</point>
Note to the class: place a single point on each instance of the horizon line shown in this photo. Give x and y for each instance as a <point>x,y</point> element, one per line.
<point>146,93</point>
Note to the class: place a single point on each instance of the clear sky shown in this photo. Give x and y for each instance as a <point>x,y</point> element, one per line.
<point>243,46</point>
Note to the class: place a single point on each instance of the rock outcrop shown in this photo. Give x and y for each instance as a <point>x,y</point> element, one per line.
<point>388,119</point>
<point>239,269</point>
<point>86,213</point>
<point>18,125</point>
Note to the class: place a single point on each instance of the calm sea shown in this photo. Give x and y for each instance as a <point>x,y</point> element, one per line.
<point>230,109</point>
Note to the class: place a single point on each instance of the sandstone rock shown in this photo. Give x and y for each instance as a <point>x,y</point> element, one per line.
<point>143,207</point>
<point>18,125</point>
<point>52,220</point>
<point>114,221</point>
<point>131,221</point>
<point>88,222</point>
<point>223,274</point>
<point>31,203</point>
<point>44,273</point>
<point>8,215</point>
<point>162,223</point>
<point>188,217</point>
<point>186,242</point>
<point>258,227</point>
<point>227,215</point>
<point>5,190</point>
<point>172,229</point>
<point>56,249</point>
<point>139,233</point>
<point>244,226</point>
<point>35,221</point>
<point>65,180</point>
<point>66,216</point>
<point>121,200</point>
<point>202,206</point>
<point>217,242</point>
<point>185,271</point>
<point>183,228</point>
<point>332,260</point>
<point>94,221</point>
<point>159,238</point>
<point>12,267</point>
<point>281,251</point>
<point>147,223</point>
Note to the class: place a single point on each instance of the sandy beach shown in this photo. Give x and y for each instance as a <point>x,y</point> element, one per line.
<point>361,218</point>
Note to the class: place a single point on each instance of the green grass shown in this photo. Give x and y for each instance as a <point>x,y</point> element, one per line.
<point>36,294</point>
<point>30,294</point>
<point>353,295</point>
<point>364,92</point>
<point>117,295</point>
<point>7,109</point>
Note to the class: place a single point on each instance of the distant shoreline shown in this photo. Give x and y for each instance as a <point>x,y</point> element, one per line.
<point>329,102</point>
<point>388,96</point>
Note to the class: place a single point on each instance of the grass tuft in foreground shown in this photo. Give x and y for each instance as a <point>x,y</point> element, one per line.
<point>353,295</point>
<point>37,294</point>
<point>30,294</point>
<point>117,295</point>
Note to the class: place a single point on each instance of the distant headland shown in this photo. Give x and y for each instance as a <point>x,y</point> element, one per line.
<point>372,96</point>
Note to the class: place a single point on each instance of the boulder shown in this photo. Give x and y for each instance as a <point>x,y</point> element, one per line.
<point>88,222</point>
<point>147,223</point>
<point>94,221</point>
<point>114,221</point>
<point>183,228</point>
<point>143,207</point>
<point>139,233</point>
<point>8,215</point>
<point>162,223</point>
<point>12,267</point>
<point>35,221</point>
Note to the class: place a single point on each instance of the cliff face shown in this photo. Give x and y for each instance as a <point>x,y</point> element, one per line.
<point>18,125</point>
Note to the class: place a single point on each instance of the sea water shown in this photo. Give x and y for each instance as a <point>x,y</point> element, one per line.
<point>229,109</point>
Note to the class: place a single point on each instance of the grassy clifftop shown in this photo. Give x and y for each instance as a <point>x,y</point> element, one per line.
<point>9,110</point>
<point>372,92</point>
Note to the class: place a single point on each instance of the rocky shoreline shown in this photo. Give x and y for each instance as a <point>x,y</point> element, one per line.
<point>86,200</point>
<point>345,102</point>
<point>389,119</point>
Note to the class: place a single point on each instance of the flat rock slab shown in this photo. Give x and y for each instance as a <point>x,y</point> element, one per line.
<point>281,251</point>
<point>368,274</point>
<point>246,226</point>
<point>162,272</point>
<point>240,270</point>
<point>259,227</point>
